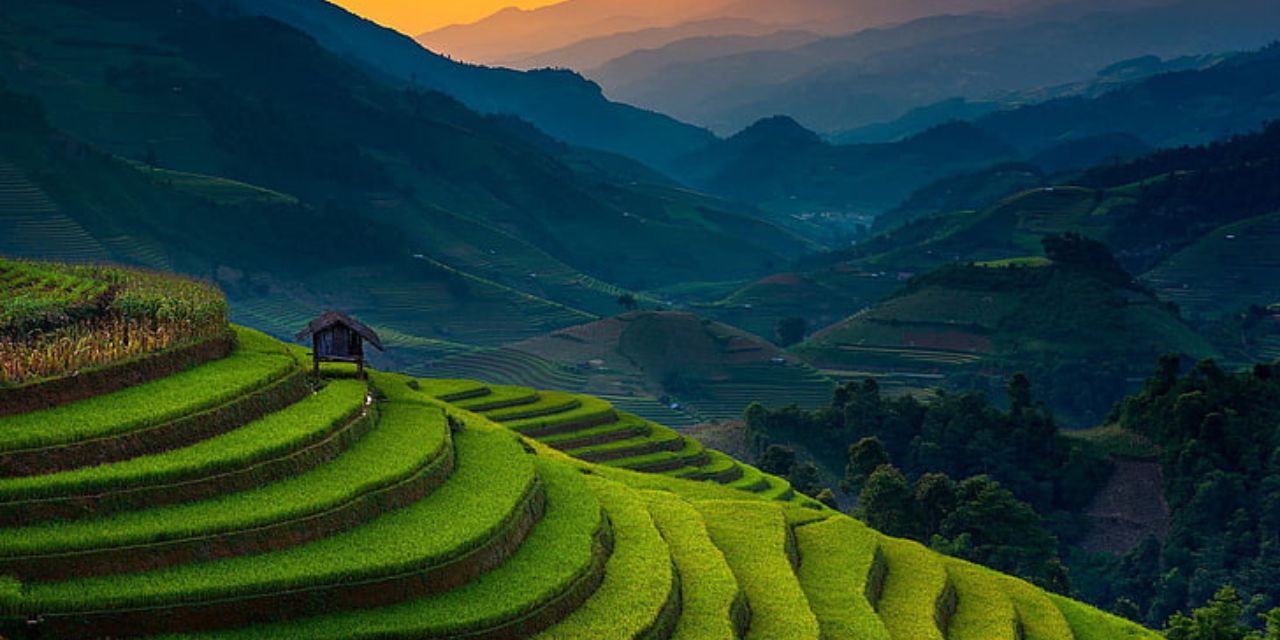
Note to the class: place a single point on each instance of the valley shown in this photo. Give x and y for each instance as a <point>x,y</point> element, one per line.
<point>981,299</point>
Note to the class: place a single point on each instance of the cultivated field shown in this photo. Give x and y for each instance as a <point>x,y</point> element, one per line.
<point>402,507</point>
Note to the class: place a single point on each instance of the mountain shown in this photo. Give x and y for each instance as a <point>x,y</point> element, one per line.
<point>877,75</point>
<point>1235,94</point>
<point>1111,78</point>
<point>515,37</point>
<point>594,52</point>
<point>561,103</point>
<point>1053,319</point>
<point>1189,107</point>
<point>514,34</point>
<point>784,167</point>
<point>311,183</point>
<point>648,66</point>
<point>1146,209</point>
<point>1173,217</point>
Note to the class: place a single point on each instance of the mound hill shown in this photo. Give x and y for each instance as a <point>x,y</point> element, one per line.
<point>699,368</point>
<point>1048,319</point>
<point>407,508</point>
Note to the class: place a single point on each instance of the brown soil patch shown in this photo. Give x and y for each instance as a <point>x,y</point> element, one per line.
<point>1129,508</point>
<point>726,437</point>
<point>949,340</point>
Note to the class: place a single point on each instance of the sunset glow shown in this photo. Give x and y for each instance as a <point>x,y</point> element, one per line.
<point>414,17</point>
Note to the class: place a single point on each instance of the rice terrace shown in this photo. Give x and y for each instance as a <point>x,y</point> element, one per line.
<point>236,490</point>
<point>657,320</point>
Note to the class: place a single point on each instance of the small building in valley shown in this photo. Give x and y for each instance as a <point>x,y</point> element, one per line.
<point>337,337</point>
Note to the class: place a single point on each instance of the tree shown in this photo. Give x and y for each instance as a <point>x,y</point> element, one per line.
<point>865,457</point>
<point>778,460</point>
<point>1003,533</point>
<point>1074,251</point>
<point>828,497</point>
<point>790,331</point>
<point>1019,393</point>
<point>935,499</point>
<point>885,503</point>
<point>1218,620</point>
<point>628,302</point>
<point>804,479</point>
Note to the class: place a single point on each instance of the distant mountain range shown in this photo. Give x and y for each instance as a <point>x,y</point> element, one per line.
<point>577,33</point>
<point>778,164</point>
<point>848,81</point>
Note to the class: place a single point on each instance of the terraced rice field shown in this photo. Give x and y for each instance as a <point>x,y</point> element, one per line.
<point>938,357</point>
<point>32,225</point>
<point>773,385</point>
<point>505,366</point>
<point>418,508</point>
<point>592,429</point>
<point>1223,272</point>
<point>1269,349</point>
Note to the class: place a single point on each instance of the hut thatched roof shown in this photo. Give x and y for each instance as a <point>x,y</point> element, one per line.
<point>331,318</point>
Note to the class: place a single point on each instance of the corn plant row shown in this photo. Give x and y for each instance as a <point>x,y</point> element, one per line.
<point>256,362</point>
<point>58,319</point>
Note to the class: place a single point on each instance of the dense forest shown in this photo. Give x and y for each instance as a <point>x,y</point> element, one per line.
<point>1219,446</point>
<point>953,470</point>
<point>1005,487</point>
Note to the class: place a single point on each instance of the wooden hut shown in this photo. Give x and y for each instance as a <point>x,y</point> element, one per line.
<point>337,337</point>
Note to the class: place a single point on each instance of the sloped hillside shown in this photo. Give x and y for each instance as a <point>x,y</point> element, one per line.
<point>210,505</point>
<point>703,369</point>
<point>1225,271</point>
<point>990,320</point>
<point>403,170</point>
<point>562,103</point>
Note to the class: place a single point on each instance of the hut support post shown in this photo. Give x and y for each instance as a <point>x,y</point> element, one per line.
<point>315,356</point>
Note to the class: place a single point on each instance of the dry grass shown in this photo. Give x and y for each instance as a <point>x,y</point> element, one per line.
<point>58,319</point>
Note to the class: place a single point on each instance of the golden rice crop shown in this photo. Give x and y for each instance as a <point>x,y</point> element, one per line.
<point>58,319</point>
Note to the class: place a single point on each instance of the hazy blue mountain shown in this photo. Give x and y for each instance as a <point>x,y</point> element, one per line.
<point>786,168</point>
<point>873,76</point>
<point>1187,107</point>
<point>594,52</point>
<point>1112,77</point>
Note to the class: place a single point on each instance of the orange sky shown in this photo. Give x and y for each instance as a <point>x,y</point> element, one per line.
<point>414,17</point>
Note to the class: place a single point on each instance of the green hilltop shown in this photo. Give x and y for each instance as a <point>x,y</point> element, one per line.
<point>1048,318</point>
<point>231,489</point>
